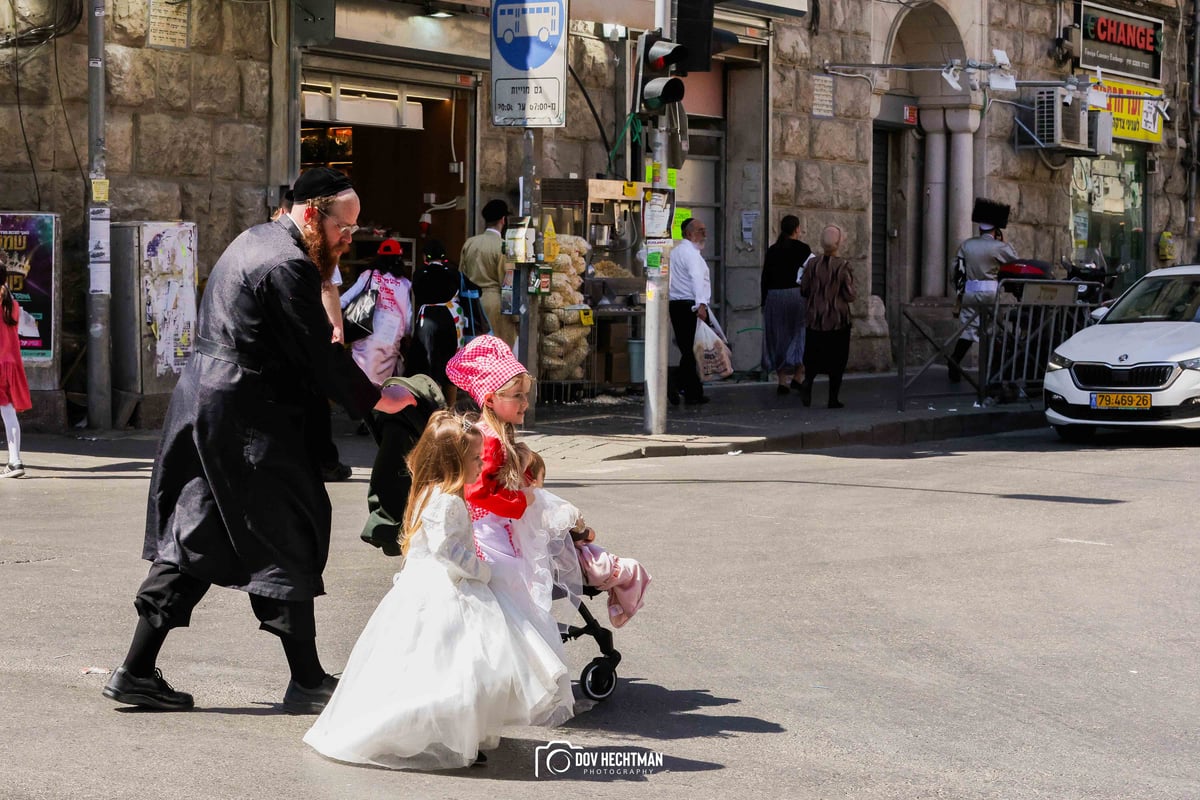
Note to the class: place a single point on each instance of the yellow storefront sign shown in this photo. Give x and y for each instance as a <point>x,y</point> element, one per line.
<point>1135,111</point>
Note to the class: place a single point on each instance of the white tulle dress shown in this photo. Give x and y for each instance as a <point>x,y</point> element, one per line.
<point>530,557</point>
<point>440,669</point>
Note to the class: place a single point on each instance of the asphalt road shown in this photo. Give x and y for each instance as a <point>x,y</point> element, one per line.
<point>1004,617</point>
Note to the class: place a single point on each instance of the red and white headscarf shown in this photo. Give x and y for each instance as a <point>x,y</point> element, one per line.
<point>483,366</point>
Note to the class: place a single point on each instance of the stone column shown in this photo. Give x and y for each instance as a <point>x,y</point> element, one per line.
<point>962,123</point>
<point>933,264</point>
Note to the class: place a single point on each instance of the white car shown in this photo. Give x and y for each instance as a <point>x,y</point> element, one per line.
<point>1138,367</point>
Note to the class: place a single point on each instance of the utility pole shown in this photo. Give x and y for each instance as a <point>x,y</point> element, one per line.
<point>657,53</point>
<point>99,301</point>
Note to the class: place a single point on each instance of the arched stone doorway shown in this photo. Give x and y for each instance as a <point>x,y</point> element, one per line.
<point>930,37</point>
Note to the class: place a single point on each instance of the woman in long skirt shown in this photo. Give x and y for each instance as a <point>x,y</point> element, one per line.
<point>783,307</point>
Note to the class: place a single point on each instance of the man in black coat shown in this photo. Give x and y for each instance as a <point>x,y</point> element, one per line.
<point>236,497</point>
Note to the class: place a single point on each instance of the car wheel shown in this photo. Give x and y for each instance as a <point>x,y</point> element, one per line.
<point>1077,434</point>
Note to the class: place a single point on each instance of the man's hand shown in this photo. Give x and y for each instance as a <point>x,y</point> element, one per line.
<point>339,336</point>
<point>702,312</point>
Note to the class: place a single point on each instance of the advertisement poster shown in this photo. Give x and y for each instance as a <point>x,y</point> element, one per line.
<point>27,253</point>
<point>1135,111</point>
<point>169,292</point>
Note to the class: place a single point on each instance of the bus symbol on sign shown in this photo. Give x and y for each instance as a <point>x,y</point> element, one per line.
<point>525,21</point>
<point>528,33</point>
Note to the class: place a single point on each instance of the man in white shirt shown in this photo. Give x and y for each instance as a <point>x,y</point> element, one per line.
<point>690,293</point>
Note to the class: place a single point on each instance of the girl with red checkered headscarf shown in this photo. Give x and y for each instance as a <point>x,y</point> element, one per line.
<point>487,370</point>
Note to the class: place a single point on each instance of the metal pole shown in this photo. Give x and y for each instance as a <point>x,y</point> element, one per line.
<point>657,317</point>
<point>657,280</point>
<point>99,302</point>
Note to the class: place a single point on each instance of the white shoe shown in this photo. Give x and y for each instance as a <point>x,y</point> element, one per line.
<point>13,471</point>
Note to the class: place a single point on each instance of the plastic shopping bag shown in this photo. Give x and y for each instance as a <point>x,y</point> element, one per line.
<point>713,359</point>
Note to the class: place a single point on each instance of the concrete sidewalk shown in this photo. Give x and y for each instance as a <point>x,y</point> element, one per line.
<point>750,417</point>
<point>742,417</point>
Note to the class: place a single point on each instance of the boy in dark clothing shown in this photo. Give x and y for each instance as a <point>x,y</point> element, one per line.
<point>397,433</point>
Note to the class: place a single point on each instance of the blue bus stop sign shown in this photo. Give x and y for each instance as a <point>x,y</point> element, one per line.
<point>527,33</point>
<point>529,63</point>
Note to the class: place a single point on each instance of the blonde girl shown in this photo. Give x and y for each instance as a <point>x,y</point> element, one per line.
<point>439,669</point>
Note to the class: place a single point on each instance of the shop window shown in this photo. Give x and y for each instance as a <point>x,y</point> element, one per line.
<point>1108,214</point>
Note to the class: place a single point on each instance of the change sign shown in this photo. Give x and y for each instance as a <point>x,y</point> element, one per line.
<point>529,63</point>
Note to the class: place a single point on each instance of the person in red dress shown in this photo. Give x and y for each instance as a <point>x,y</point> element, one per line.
<point>14,388</point>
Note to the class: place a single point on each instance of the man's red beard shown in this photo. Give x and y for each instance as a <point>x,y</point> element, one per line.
<point>321,251</point>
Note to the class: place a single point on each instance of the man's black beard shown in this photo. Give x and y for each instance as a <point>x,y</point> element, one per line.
<point>320,251</point>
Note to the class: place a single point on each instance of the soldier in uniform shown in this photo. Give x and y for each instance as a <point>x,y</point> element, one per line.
<point>975,267</point>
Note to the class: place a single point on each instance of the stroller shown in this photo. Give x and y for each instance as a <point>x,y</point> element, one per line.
<point>396,434</point>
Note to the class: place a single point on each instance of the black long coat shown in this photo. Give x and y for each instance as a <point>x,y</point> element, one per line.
<point>236,497</point>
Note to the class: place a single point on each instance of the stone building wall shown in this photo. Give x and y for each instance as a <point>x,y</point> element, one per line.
<point>821,167</point>
<point>186,132</point>
<point>1039,192</point>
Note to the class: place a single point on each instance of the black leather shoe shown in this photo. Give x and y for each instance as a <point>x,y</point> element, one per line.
<point>146,692</point>
<point>806,395</point>
<point>337,473</point>
<point>673,397</point>
<point>300,700</point>
<point>836,404</point>
<point>782,390</point>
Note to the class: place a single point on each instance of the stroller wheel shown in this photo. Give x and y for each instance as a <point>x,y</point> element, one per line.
<point>598,679</point>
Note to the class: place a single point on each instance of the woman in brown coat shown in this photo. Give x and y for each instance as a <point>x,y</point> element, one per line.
<point>828,286</point>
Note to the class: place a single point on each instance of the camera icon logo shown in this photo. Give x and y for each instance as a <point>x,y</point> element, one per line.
<point>554,758</point>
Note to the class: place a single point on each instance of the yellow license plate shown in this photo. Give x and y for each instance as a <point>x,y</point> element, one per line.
<point>1120,400</point>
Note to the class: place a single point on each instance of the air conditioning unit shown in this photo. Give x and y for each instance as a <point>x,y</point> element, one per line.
<point>1100,132</point>
<point>1060,119</point>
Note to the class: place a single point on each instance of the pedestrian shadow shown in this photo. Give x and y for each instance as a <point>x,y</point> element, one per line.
<point>651,711</point>
<point>560,760</point>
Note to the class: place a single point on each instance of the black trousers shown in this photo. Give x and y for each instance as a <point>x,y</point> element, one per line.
<point>683,323</point>
<point>167,597</point>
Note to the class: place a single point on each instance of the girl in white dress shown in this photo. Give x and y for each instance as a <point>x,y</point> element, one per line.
<point>439,669</point>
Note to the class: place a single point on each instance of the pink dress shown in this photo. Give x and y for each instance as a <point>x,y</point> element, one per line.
<point>624,579</point>
<point>14,388</point>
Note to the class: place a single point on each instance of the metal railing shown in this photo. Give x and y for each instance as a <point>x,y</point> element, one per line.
<point>1017,333</point>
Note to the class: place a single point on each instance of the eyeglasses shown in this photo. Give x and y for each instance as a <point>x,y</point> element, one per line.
<point>344,230</point>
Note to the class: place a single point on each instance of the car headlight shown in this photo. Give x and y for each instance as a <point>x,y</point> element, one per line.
<point>1191,363</point>
<point>1058,362</point>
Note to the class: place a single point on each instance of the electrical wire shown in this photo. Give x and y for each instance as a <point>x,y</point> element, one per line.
<point>634,126</point>
<point>588,99</point>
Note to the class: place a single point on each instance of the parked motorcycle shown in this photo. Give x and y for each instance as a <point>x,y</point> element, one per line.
<point>1093,269</point>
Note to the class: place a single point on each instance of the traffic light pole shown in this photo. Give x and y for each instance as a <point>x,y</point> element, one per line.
<point>657,280</point>
<point>99,299</point>
<point>657,315</point>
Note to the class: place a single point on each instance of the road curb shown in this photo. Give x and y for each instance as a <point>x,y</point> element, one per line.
<point>899,432</point>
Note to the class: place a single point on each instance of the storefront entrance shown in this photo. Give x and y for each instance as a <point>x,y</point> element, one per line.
<point>1108,211</point>
<point>404,135</point>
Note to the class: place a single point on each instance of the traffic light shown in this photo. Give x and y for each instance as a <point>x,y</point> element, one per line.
<point>657,59</point>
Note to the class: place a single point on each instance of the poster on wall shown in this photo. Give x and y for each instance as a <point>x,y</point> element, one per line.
<point>27,253</point>
<point>169,292</point>
<point>1135,110</point>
